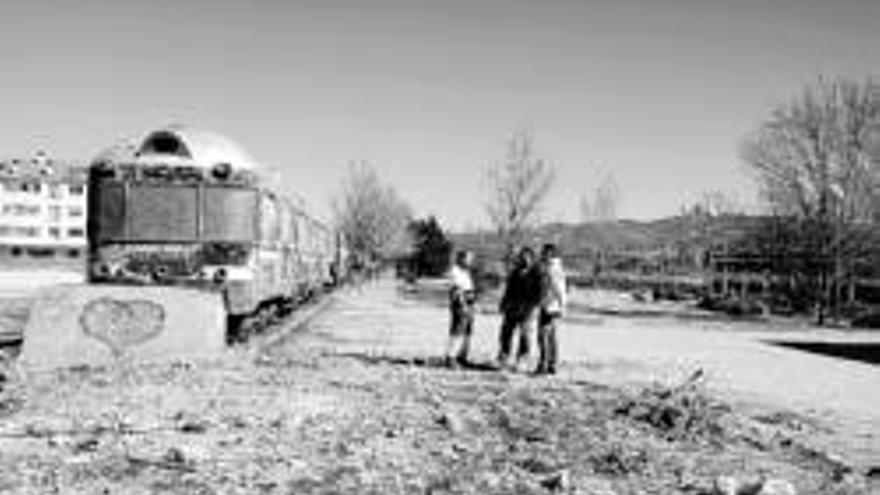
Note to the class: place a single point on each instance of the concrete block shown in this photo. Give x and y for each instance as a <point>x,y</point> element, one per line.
<point>80,324</point>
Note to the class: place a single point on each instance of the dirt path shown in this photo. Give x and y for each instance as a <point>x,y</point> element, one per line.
<point>739,363</point>
<point>358,403</point>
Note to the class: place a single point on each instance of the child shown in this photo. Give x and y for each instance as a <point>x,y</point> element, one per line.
<point>461,309</point>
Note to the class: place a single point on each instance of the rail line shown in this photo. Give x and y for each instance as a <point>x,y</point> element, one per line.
<point>280,322</point>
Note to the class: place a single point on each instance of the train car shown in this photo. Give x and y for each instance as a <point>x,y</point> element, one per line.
<point>191,208</point>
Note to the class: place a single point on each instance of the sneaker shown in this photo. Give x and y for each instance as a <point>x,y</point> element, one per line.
<point>501,363</point>
<point>506,367</point>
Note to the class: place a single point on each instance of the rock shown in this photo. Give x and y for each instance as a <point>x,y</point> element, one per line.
<point>185,456</point>
<point>174,457</point>
<point>491,480</point>
<point>725,485</point>
<point>557,482</point>
<point>193,426</point>
<point>452,422</point>
<point>594,486</point>
<point>777,487</point>
<point>729,485</point>
<point>89,444</point>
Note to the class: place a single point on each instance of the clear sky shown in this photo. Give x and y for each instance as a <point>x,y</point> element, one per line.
<point>658,93</point>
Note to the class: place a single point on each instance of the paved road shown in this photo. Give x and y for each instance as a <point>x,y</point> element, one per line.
<point>18,283</point>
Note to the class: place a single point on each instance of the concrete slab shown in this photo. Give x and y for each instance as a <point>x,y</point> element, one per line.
<point>78,324</point>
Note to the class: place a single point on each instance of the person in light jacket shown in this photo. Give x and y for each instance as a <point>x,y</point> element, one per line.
<point>461,309</point>
<point>553,300</point>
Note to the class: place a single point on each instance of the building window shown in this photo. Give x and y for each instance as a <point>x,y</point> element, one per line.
<point>54,232</point>
<point>77,190</point>
<point>73,253</point>
<point>32,187</point>
<point>54,213</point>
<point>38,252</point>
<point>75,232</point>
<point>75,211</point>
<point>20,209</point>
<point>27,231</point>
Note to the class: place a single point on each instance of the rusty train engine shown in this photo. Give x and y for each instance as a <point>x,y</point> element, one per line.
<point>189,209</point>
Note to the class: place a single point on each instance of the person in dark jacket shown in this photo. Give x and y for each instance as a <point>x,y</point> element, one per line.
<point>519,308</point>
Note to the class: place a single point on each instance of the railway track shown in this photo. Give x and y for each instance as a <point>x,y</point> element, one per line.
<point>276,322</point>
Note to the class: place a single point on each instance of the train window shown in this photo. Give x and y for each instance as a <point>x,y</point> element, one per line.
<point>296,227</point>
<point>162,213</point>
<point>108,203</point>
<point>228,214</point>
<point>163,143</point>
<point>268,218</point>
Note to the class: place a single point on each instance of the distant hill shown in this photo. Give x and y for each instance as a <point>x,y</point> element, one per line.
<point>676,245</point>
<point>665,235</point>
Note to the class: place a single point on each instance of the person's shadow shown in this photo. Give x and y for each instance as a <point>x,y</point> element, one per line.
<point>421,361</point>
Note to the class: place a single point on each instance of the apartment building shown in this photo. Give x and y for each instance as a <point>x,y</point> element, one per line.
<point>42,209</point>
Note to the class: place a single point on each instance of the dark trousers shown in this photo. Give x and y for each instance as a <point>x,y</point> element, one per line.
<point>461,326</point>
<point>509,326</point>
<point>548,346</point>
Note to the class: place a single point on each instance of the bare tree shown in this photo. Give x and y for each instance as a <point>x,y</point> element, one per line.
<point>712,203</point>
<point>604,203</point>
<point>586,209</point>
<point>816,161</point>
<point>518,188</point>
<point>370,214</point>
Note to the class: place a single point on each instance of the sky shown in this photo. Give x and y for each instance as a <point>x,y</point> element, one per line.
<point>658,94</point>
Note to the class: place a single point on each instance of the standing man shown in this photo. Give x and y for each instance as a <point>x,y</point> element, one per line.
<point>461,309</point>
<point>552,308</point>
<point>519,304</point>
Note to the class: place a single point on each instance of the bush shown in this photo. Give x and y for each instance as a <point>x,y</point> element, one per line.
<point>869,319</point>
<point>733,306</point>
<point>487,275</point>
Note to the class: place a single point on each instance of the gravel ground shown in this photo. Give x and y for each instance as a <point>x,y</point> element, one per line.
<point>356,402</point>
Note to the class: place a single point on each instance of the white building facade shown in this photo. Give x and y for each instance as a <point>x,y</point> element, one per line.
<point>42,209</point>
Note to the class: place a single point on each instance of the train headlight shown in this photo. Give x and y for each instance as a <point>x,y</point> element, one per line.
<point>101,269</point>
<point>221,171</point>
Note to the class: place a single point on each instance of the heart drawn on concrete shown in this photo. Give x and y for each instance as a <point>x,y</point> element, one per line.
<point>122,324</point>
